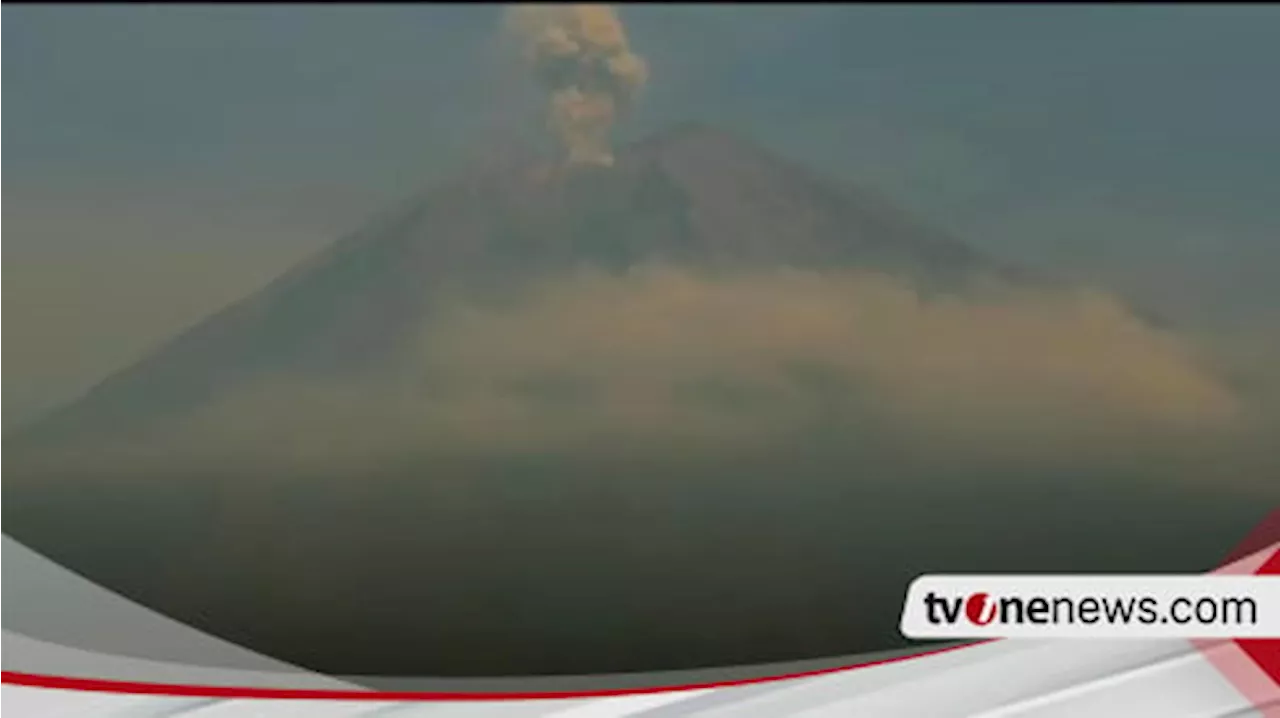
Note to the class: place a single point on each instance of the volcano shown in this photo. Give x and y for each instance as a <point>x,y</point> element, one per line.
<point>570,564</point>
<point>692,196</point>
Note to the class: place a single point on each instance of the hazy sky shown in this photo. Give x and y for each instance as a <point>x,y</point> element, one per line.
<point>165,160</point>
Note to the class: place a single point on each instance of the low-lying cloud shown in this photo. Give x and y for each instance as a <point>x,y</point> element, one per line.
<point>663,361</point>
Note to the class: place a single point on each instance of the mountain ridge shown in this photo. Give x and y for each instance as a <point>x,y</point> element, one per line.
<point>691,195</point>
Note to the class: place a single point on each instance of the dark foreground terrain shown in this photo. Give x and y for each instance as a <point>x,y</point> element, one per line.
<point>615,566</point>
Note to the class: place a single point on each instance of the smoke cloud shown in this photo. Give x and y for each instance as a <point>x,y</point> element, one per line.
<point>580,54</point>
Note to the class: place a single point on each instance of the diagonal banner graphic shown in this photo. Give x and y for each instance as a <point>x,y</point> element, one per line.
<point>1153,677</point>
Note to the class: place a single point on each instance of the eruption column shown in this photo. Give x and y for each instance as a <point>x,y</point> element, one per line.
<point>580,54</point>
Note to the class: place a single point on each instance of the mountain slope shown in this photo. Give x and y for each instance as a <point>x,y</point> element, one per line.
<point>692,195</point>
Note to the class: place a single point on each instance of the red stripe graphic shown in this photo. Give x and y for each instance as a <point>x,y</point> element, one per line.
<point>1263,535</point>
<point>195,691</point>
<point>1266,652</point>
<point>1252,665</point>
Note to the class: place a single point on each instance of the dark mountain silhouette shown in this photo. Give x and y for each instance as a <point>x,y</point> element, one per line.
<point>693,195</point>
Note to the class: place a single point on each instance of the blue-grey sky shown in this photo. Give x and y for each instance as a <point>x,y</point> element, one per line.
<point>165,159</point>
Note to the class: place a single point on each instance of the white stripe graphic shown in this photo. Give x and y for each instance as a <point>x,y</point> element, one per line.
<point>618,706</point>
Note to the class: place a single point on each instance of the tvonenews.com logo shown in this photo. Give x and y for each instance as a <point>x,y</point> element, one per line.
<point>1092,606</point>
<point>982,609</point>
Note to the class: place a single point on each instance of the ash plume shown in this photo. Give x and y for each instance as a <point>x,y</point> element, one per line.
<point>580,54</point>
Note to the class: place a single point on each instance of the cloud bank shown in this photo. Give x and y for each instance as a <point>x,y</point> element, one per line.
<point>661,361</point>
